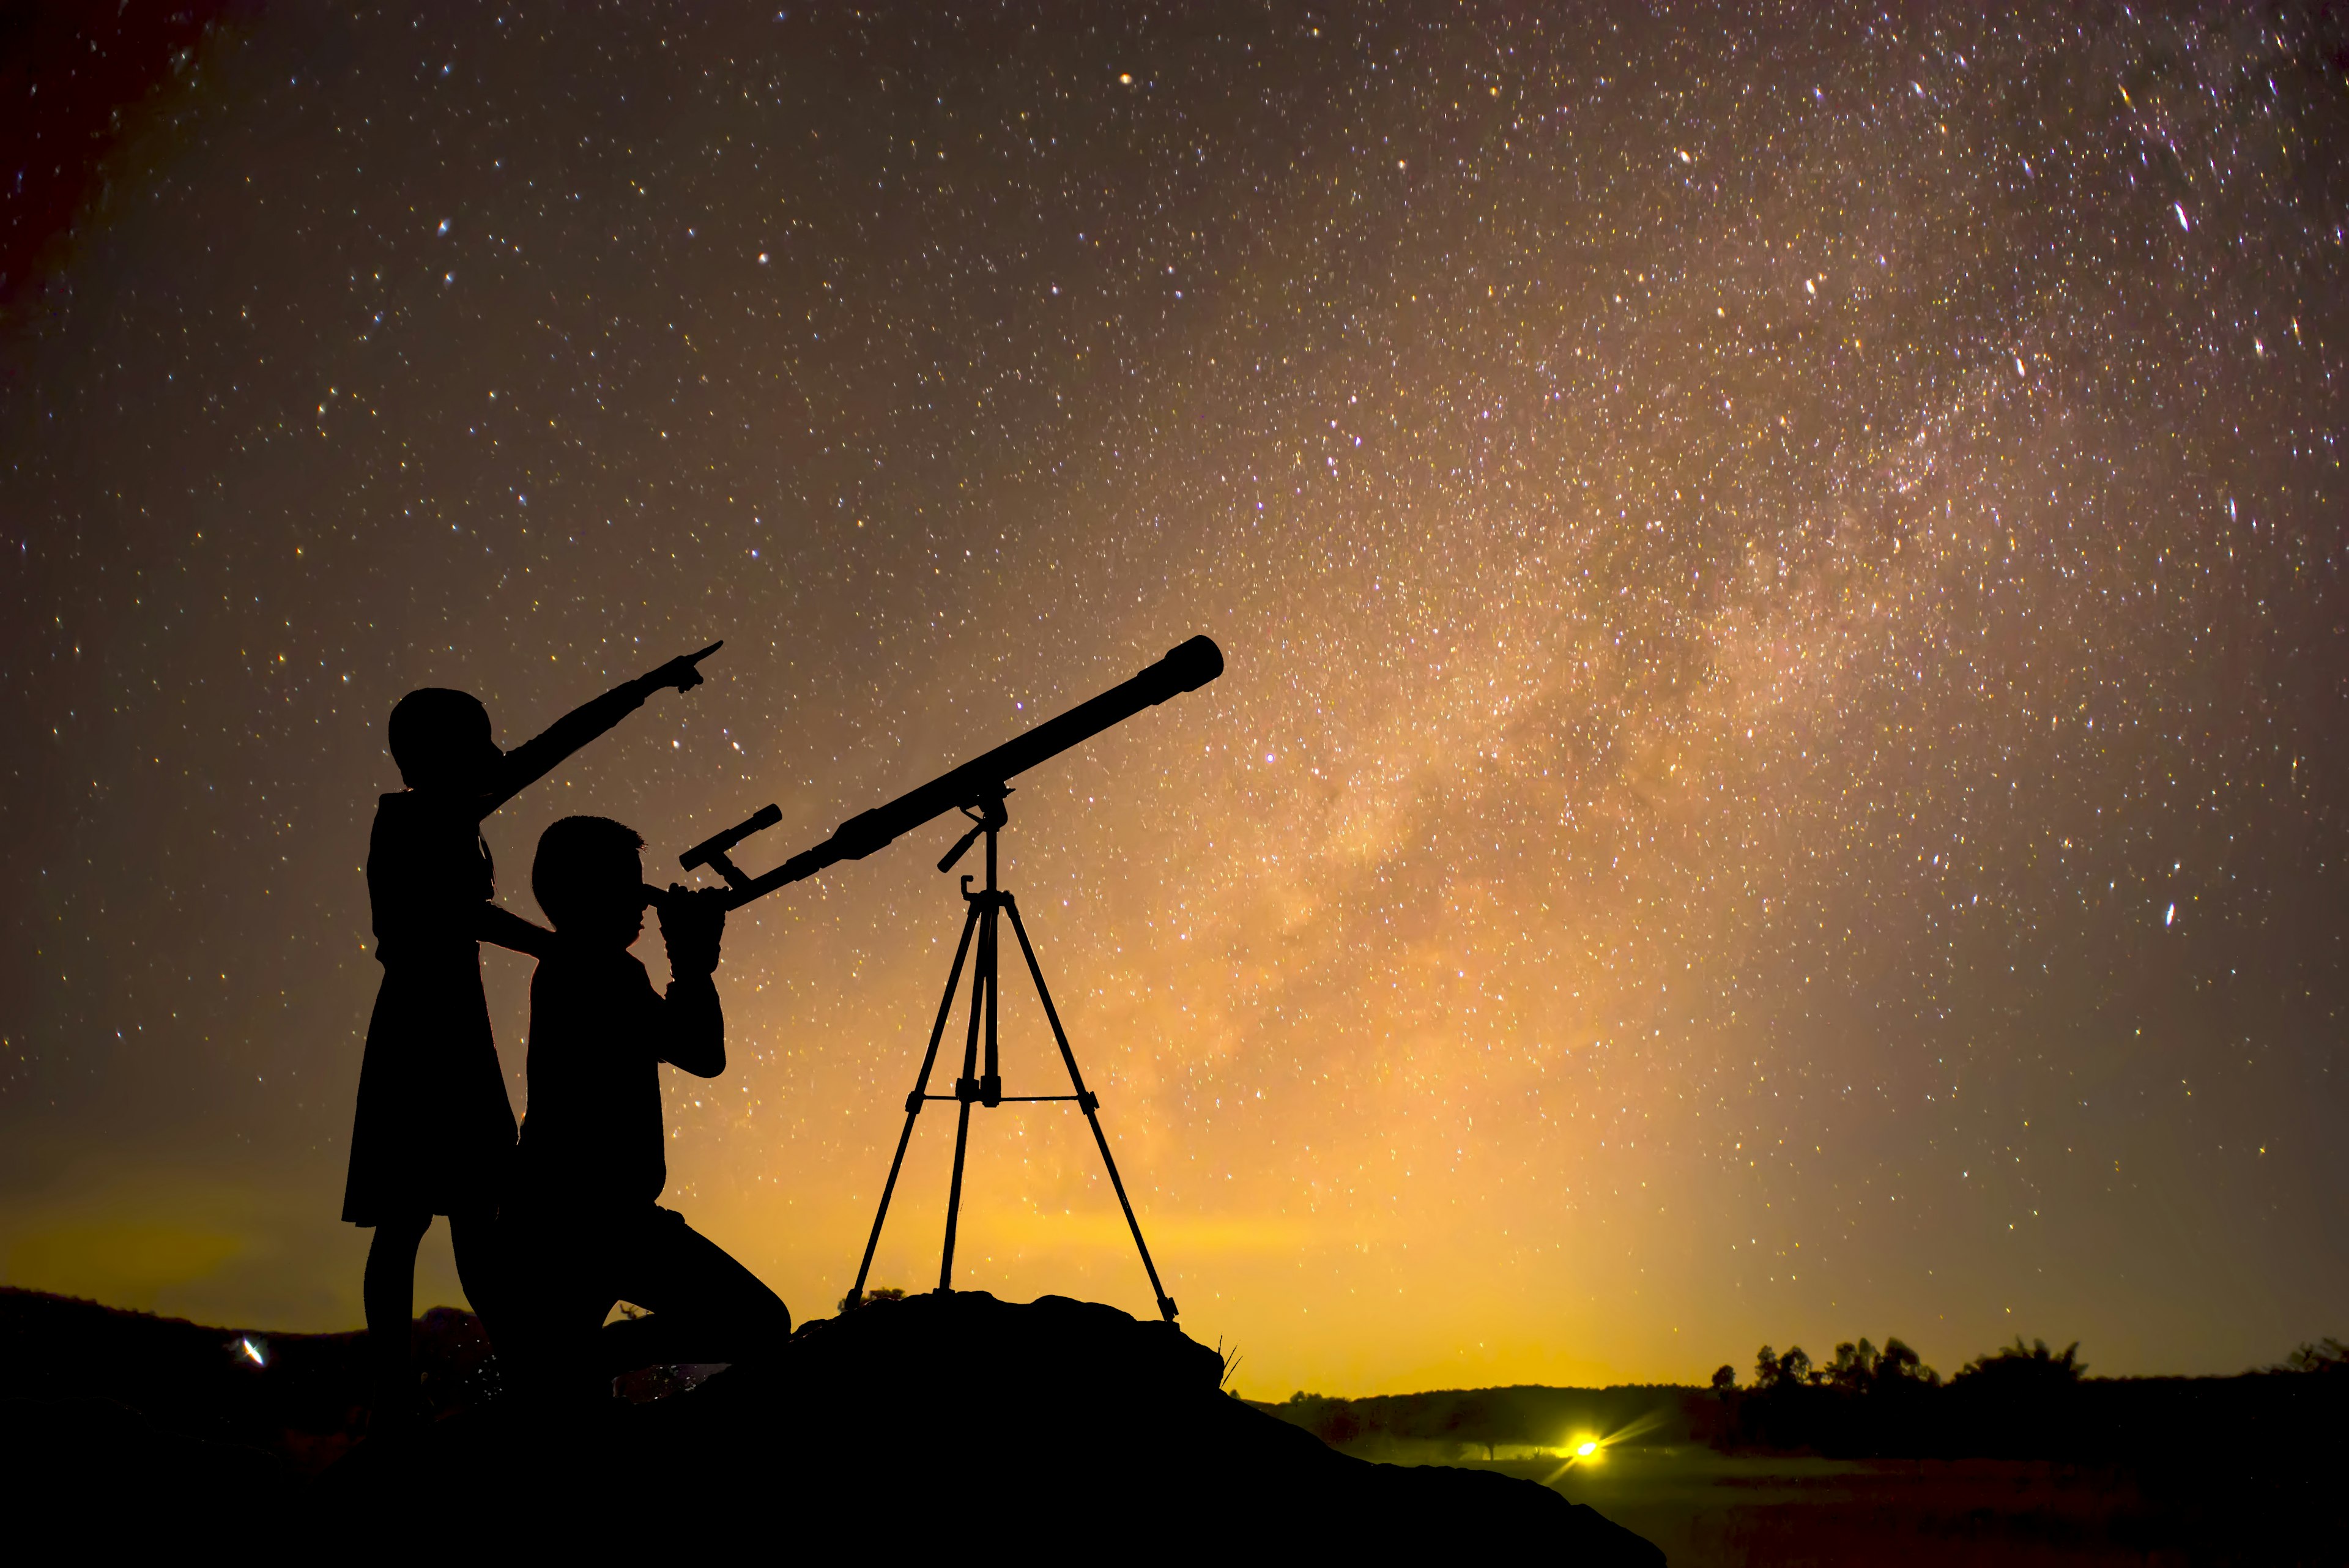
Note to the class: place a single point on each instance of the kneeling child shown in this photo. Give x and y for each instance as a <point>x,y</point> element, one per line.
<point>582,1223</point>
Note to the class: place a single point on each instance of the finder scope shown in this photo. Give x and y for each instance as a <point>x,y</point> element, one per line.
<point>717,845</point>
<point>1187,667</point>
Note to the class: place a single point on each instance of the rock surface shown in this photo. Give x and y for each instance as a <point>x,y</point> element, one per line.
<point>1055,1427</point>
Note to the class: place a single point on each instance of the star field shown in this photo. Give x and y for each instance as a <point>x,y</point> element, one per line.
<point>1779,770</point>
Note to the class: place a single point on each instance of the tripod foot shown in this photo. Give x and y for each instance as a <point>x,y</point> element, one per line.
<point>1167,1308</point>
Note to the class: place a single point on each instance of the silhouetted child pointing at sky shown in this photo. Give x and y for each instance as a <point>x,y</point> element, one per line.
<point>582,1225</point>
<point>434,1133</point>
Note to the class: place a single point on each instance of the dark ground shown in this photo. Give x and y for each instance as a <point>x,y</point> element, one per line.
<point>1705,1508</point>
<point>1056,1426</point>
<point>915,1419</point>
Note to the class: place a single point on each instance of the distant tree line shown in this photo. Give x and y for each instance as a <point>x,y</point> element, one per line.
<point>2021,1401</point>
<point>1871,1402</point>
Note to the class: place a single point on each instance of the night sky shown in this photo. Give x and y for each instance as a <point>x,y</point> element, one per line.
<point>1779,775</point>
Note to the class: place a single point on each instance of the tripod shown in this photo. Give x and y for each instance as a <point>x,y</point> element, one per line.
<point>980,923</point>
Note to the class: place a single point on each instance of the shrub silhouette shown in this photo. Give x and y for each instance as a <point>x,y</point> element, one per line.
<point>1900,1364</point>
<point>2327,1354</point>
<point>1771,1371</point>
<point>2016,1367</point>
<point>1854,1367</point>
<point>1864,1401</point>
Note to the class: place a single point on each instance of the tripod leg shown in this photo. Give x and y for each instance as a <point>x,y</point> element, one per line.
<point>990,1084</point>
<point>1090,1105</point>
<point>954,1197</point>
<point>982,987</point>
<point>913,1108</point>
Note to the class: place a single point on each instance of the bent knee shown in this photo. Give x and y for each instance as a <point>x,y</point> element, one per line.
<point>764,1317</point>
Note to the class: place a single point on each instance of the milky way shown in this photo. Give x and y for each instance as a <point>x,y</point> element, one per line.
<point>1779,775</point>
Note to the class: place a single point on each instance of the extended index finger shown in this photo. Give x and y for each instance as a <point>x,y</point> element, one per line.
<point>697,657</point>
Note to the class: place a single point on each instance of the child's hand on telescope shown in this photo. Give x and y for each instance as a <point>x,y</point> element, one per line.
<point>692,922</point>
<point>682,673</point>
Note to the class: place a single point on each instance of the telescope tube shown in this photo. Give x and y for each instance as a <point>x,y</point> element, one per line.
<point>1187,667</point>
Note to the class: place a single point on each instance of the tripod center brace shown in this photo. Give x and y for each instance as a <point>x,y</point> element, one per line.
<point>976,789</point>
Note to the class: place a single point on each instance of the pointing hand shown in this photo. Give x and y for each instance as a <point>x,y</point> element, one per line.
<point>682,672</point>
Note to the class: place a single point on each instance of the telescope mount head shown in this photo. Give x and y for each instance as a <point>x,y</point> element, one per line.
<point>987,816</point>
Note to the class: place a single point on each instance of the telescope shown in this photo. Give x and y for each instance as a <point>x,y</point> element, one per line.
<point>976,789</point>
<point>1186,668</point>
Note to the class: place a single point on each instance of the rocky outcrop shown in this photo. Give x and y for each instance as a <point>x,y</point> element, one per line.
<point>1056,1427</point>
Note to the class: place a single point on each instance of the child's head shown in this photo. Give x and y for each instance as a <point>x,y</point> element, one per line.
<point>440,739</point>
<point>590,880</point>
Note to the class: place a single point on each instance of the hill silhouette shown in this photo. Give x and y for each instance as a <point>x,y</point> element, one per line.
<point>288,1404</point>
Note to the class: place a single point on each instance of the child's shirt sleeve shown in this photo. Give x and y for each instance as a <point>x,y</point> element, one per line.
<point>538,757</point>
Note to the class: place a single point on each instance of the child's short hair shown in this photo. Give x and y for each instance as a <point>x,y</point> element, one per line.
<point>564,877</point>
<point>430,726</point>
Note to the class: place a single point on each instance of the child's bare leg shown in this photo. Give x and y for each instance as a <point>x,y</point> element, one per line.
<point>473,1237</point>
<point>390,1292</point>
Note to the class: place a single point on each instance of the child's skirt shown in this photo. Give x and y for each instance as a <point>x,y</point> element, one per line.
<point>434,1131</point>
